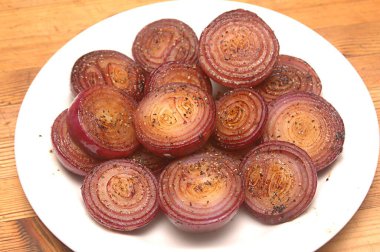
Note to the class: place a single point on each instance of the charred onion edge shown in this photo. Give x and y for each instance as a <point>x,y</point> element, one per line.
<point>91,59</point>
<point>68,153</point>
<point>85,139</point>
<point>172,67</point>
<point>169,148</point>
<point>188,216</point>
<point>240,137</point>
<point>154,163</point>
<point>232,78</point>
<point>148,31</point>
<point>115,219</point>
<point>334,124</point>
<point>280,213</point>
<point>309,80</point>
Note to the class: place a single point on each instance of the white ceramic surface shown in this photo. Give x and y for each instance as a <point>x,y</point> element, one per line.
<point>55,194</point>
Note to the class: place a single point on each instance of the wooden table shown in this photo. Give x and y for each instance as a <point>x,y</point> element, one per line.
<point>32,31</point>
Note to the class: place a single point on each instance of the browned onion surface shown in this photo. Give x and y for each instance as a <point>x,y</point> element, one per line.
<point>280,181</point>
<point>108,67</point>
<point>121,195</point>
<point>100,120</point>
<point>289,74</point>
<point>240,119</point>
<point>308,121</point>
<point>69,154</point>
<point>175,120</point>
<point>200,192</point>
<point>154,163</point>
<point>165,40</point>
<point>238,49</point>
<point>178,72</point>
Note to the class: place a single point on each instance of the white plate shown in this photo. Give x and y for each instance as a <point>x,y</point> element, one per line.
<point>55,194</point>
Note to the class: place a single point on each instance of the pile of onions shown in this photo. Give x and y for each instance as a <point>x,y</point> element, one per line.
<point>238,49</point>
<point>108,67</point>
<point>121,195</point>
<point>262,141</point>
<point>200,192</point>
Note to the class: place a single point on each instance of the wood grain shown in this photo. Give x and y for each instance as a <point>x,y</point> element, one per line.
<point>32,31</point>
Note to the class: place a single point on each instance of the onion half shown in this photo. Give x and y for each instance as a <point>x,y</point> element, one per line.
<point>289,74</point>
<point>121,195</point>
<point>177,72</point>
<point>100,120</point>
<point>308,121</point>
<point>238,49</point>
<point>108,67</point>
<point>147,159</point>
<point>165,40</point>
<point>280,181</point>
<point>175,120</point>
<point>200,192</point>
<point>69,154</point>
<point>240,119</point>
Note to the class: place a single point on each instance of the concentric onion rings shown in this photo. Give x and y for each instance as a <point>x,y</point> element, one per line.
<point>200,192</point>
<point>241,115</point>
<point>179,73</point>
<point>289,74</point>
<point>280,181</point>
<point>238,49</point>
<point>175,120</point>
<point>308,121</point>
<point>165,40</point>
<point>69,154</point>
<point>121,195</point>
<point>108,67</point>
<point>100,120</point>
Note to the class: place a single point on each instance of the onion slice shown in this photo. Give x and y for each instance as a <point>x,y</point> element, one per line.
<point>165,40</point>
<point>175,120</point>
<point>121,195</point>
<point>289,74</point>
<point>241,116</point>
<point>280,181</point>
<point>200,192</point>
<point>154,163</point>
<point>69,154</point>
<point>180,73</point>
<point>238,49</point>
<point>108,67</point>
<point>100,120</point>
<point>308,121</point>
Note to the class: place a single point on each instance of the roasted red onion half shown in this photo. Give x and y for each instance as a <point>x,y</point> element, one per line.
<point>289,74</point>
<point>154,163</point>
<point>121,195</point>
<point>69,154</point>
<point>165,40</point>
<point>100,120</point>
<point>175,120</point>
<point>200,192</point>
<point>240,119</point>
<point>280,181</point>
<point>238,49</point>
<point>308,121</point>
<point>180,73</point>
<point>108,67</point>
